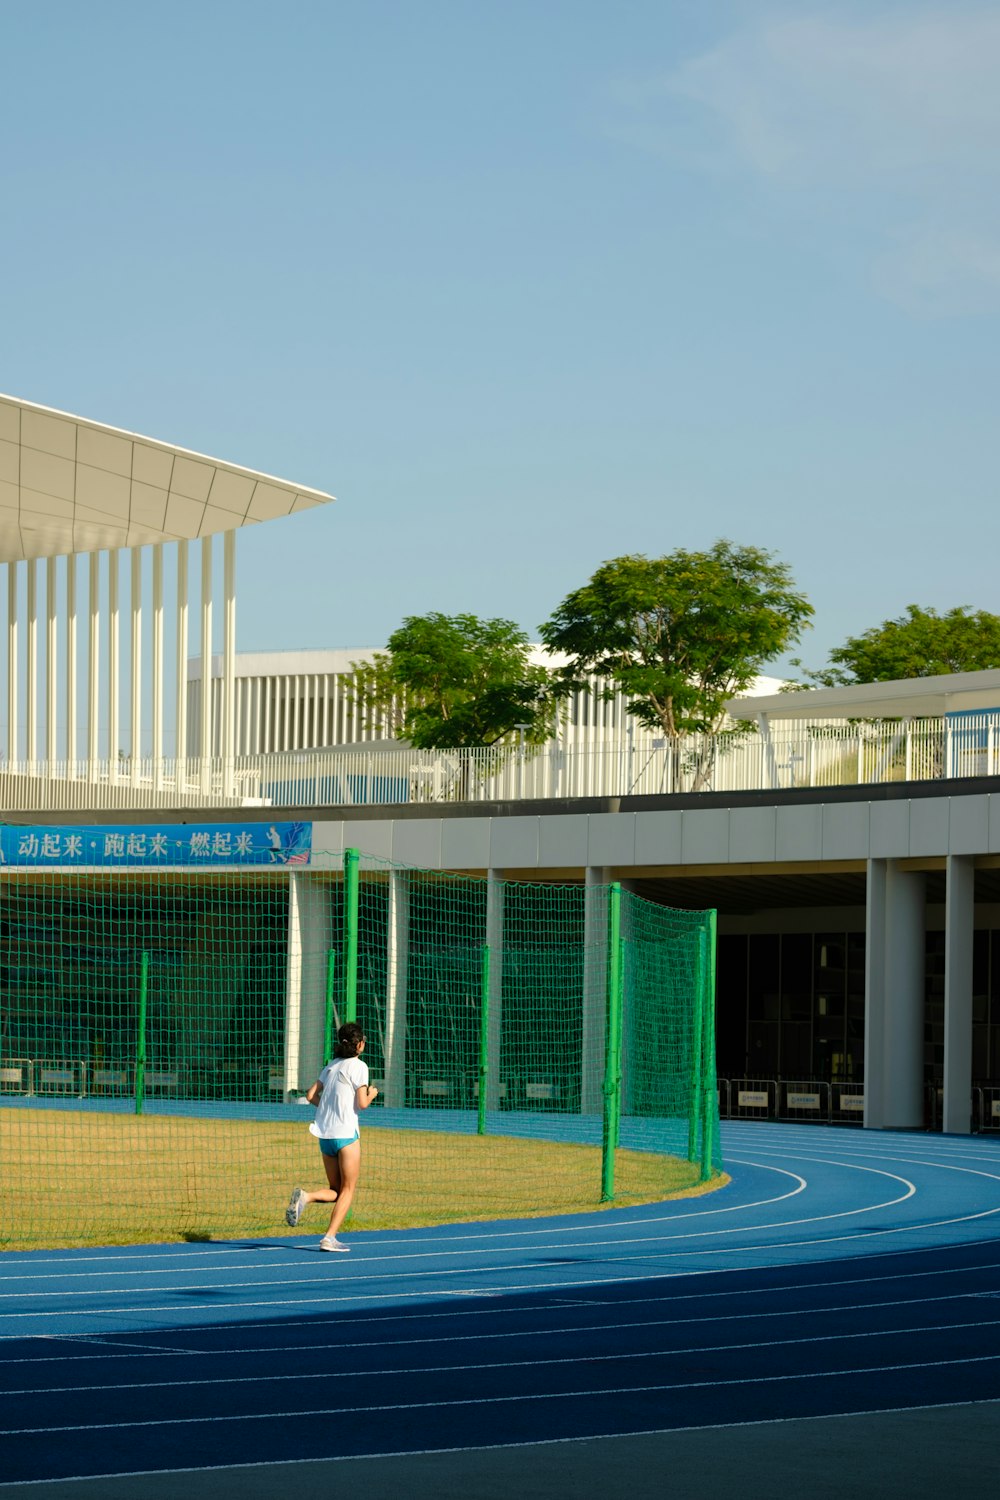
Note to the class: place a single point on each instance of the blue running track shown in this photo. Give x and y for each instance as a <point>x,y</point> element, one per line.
<point>840,1272</point>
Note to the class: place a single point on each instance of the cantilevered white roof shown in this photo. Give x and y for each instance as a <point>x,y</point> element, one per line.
<point>71,485</point>
<point>909,698</point>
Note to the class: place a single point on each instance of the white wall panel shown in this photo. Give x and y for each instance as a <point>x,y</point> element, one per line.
<point>705,836</point>
<point>969,825</point>
<point>658,838</point>
<point>799,832</point>
<point>753,834</point>
<point>846,833</point>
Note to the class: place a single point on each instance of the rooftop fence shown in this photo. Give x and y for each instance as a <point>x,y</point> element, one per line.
<point>801,755</point>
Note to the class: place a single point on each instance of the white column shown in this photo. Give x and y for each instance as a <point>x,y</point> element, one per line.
<point>959,913</point>
<point>309,938</point>
<point>205,745</point>
<point>32,659</point>
<point>904,1011</point>
<point>13,750</point>
<point>72,750</point>
<point>229,661</point>
<point>114,659</point>
<point>51,659</point>
<point>397,955</point>
<point>494,938</point>
<point>182,661</point>
<point>158,665</point>
<point>94,663</point>
<point>875,926</point>
<point>135,602</point>
<point>900,1037</point>
<point>595,989</point>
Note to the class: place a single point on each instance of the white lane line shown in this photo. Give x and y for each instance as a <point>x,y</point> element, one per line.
<point>479,1337</point>
<point>354,1412</point>
<point>347,1299</point>
<point>604,1221</point>
<point>543,1442</point>
<point>578,1360</point>
<point>436,1253</point>
<point>269,1463</point>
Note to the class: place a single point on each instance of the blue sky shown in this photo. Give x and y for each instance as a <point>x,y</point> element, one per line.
<point>527,286</point>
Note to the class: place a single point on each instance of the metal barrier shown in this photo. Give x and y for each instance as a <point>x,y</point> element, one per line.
<point>61,1078</point>
<point>723,1089</point>
<point>110,1081</point>
<point>753,1099</point>
<point>162,1083</point>
<point>16,1074</point>
<point>848,1104</point>
<point>805,1100</point>
<point>933,1106</point>
<point>989,1107</point>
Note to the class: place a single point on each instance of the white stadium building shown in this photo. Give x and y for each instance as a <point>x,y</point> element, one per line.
<point>849,838</point>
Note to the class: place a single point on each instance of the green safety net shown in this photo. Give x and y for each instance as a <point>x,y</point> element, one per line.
<point>538,1048</point>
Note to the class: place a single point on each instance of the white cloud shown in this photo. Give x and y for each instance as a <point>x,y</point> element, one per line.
<point>889,120</point>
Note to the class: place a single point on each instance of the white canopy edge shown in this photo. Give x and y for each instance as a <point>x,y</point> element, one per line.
<point>70,485</point>
<point>908,698</point>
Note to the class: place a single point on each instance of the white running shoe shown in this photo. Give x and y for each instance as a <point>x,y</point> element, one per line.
<point>331,1242</point>
<point>296,1204</point>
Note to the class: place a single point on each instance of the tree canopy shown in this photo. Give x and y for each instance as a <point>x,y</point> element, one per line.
<point>920,643</point>
<point>681,634</point>
<point>450,681</point>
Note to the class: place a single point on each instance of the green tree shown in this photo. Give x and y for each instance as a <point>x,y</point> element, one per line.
<point>680,634</point>
<point>920,643</point>
<point>451,681</point>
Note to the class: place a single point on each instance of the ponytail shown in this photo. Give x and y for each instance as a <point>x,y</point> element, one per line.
<point>349,1040</point>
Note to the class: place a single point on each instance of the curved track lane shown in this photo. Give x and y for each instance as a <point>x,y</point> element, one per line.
<point>841,1272</point>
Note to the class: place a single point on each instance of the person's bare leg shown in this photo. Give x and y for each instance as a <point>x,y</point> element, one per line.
<point>349,1163</point>
<point>328,1194</point>
<point>301,1199</point>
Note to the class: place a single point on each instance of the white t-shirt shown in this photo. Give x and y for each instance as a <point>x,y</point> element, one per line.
<point>336,1113</point>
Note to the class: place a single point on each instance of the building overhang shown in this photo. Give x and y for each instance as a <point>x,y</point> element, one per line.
<point>909,698</point>
<point>69,485</point>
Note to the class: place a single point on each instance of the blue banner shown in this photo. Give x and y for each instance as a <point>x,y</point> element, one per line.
<point>201,844</point>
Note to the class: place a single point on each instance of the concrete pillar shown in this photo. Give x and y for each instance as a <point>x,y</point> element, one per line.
<point>894,1003</point>
<point>595,989</point>
<point>181,654</point>
<point>72,748</point>
<point>959,912</point>
<point>875,994</point>
<point>13,747</point>
<point>494,938</point>
<point>397,960</point>
<point>94,663</point>
<point>31,662</point>
<point>205,745</point>
<point>310,935</point>
<point>135,686</point>
<point>228,746</point>
<point>51,661</point>
<point>114,659</point>
<point>157,726</point>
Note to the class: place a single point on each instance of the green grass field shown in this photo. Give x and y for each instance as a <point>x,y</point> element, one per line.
<point>72,1178</point>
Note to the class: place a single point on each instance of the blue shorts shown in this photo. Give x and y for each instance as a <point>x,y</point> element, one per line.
<point>332,1145</point>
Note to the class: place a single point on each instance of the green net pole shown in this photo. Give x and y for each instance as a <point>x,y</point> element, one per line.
<point>708,1048</point>
<point>697,1048</point>
<point>612,1033</point>
<point>329,1013</point>
<point>140,1037</point>
<point>619,1034</point>
<point>484,1037</point>
<point>351,863</point>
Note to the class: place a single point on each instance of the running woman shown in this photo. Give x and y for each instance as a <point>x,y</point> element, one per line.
<point>340,1091</point>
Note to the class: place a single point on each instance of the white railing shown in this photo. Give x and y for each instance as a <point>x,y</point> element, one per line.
<point>806,756</point>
